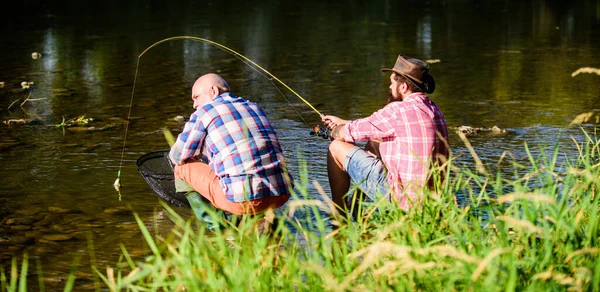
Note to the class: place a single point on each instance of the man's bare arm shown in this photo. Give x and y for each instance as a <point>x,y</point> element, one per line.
<point>338,132</point>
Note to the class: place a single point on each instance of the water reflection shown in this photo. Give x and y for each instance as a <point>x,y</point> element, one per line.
<point>50,50</point>
<point>424,37</point>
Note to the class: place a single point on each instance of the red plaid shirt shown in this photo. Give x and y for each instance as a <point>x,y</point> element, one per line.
<point>407,130</point>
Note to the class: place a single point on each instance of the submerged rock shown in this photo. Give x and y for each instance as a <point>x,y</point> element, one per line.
<point>81,235</point>
<point>44,249</point>
<point>20,227</point>
<point>62,228</point>
<point>57,210</point>
<point>470,131</point>
<point>128,226</point>
<point>117,211</point>
<point>14,240</point>
<point>47,220</point>
<point>21,221</point>
<point>29,211</point>
<point>57,237</point>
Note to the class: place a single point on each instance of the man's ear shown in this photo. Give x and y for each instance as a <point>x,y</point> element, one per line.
<point>403,87</point>
<point>214,91</point>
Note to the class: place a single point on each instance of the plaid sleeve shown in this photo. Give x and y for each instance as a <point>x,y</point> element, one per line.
<point>379,125</point>
<point>190,139</point>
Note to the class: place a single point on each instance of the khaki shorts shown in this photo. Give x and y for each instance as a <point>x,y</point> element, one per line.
<point>204,180</point>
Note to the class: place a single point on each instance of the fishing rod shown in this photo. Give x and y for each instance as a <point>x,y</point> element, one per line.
<point>317,130</point>
<point>227,49</point>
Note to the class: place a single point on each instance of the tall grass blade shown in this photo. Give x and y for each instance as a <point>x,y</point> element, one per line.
<point>23,278</point>
<point>71,278</point>
<point>40,274</point>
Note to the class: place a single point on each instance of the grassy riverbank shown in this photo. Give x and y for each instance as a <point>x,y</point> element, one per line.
<point>536,231</point>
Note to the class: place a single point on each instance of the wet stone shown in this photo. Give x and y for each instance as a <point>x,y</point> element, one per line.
<point>81,129</point>
<point>21,221</point>
<point>45,249</point>
<point>47,220</point>
<point>128,226</point>
<point>88,225</point>
<point>14,240</point>
<point>30,211</point>
<point>117,120</point>
<point>54,244</point>
<point>80,235</point>
<point>74,218</point>
<point>57,237</point>
<point>20,227</point>
<point>61,228</point>
<point>117,211</point>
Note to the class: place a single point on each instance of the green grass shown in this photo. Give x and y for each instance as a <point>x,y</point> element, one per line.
<point>536,231</point>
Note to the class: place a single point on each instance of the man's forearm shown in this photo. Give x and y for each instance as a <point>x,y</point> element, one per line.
<point>338,132</point>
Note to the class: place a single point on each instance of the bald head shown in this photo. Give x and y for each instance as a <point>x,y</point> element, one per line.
<point>207,87</point>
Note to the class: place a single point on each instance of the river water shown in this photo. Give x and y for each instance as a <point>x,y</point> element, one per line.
<point>496,63</point>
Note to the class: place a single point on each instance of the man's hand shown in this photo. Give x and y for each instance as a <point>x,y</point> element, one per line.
<point>332,121</point>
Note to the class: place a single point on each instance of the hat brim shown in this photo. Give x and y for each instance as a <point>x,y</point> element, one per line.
<point>412,79</point>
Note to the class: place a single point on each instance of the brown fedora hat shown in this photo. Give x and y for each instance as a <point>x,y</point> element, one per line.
<point>415,70</point>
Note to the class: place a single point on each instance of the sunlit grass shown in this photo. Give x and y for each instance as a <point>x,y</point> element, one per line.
<point>536,231</point>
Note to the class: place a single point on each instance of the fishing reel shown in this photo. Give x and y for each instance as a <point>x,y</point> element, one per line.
<point>320,131</point>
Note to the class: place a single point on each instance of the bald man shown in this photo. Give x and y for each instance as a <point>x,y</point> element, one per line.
<point>245,173</point>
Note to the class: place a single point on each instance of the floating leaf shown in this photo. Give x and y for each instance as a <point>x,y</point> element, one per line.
<point>586,70</point>
<point>582,118</point>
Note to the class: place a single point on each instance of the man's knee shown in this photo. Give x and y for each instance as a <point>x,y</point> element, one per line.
<point>339,149</point>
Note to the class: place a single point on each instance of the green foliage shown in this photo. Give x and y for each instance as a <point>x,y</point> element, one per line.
<point>537,231</point>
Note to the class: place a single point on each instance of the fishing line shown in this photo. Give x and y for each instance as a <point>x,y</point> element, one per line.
<point>280,92</point>
<point>244,59</point>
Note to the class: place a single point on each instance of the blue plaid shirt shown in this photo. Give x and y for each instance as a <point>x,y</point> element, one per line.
<point>241,147</point>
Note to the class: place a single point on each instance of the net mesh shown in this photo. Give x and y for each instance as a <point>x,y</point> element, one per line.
<point>157,170</point>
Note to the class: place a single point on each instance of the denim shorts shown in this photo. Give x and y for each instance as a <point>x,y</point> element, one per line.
<point>367,173</point>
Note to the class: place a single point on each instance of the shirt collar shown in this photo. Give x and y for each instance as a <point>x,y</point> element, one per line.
<point>414,95</point>
<point>226,96</point>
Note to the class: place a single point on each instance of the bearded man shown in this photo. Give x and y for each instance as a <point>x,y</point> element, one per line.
<point>406,138</point>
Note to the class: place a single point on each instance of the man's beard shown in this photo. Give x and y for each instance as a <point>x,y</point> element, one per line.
<point>391,98</point>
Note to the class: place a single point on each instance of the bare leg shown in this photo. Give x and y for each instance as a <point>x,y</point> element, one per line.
<point>339,181</point>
